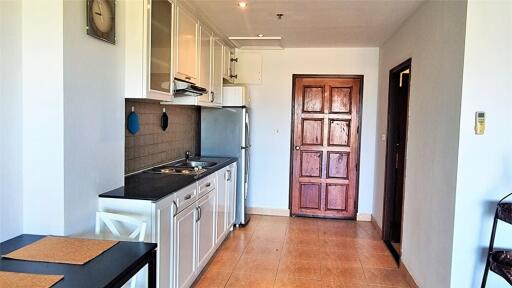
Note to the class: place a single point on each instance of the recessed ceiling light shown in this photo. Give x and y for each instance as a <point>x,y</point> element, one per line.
<point>242,4</point>
<point>260,35</point>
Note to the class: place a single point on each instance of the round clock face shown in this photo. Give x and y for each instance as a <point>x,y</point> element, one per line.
<point>102,16</point>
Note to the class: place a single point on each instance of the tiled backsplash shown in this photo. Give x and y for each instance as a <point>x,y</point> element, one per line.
<point>151,145</point>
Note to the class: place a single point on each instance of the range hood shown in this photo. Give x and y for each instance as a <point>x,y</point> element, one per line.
<point>184,88</point>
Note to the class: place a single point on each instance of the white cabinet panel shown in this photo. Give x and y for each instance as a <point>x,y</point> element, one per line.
<point>185,242</point>
<point>205,60</point>
<point>187,59</point>
<point>206,229</point>
<point>250,71</point>
<point>221,204</point>
<point>231,195</point>
<point>148,49</point>
<point>226,65</point>
<point>217,72</point>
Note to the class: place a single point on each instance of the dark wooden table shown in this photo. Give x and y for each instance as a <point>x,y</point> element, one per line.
<point>111,269</point>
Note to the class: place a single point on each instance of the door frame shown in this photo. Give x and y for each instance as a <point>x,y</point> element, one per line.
<point>388,200</point>
<point>292,135</point>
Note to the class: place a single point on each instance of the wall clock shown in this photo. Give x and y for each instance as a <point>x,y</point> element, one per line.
<point>101,20</point>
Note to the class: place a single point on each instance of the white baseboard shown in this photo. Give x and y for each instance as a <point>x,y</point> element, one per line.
<point>268,211</point>
<point>286,212</point>
<point>364,217</point>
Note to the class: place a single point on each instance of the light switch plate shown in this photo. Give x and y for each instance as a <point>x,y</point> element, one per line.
<point>479,123</point>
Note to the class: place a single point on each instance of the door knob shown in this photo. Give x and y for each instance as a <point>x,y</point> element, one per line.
<point>297,148</point>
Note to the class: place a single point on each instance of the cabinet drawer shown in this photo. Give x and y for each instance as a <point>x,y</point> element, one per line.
<point>185,197</point>
<point>207,184</point>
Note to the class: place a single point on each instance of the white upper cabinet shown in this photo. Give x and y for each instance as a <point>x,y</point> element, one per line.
<point>227,62</point>
<point>187,49</point>
<point>228,69</point>
<point>205,64</point>
<point>149,49</point>
<point>161,41</point>
<point>217,72</point>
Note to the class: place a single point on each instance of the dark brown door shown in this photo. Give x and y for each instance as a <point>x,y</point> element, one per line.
<point>398,103</point>
<point>325,146</point>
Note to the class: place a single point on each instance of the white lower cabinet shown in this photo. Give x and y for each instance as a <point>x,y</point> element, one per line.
<point>226,197</point>
<point>185,235</point>
<point>231,196</point>
<point>188,225</point>
<point>206,229</point>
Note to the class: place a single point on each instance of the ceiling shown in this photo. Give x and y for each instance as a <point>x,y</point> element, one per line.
<point>309,23</point>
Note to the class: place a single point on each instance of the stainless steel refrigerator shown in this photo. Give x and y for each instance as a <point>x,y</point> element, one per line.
<point>225,132</point>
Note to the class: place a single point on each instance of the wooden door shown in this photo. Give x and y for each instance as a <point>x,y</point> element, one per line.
<point>325,148</point>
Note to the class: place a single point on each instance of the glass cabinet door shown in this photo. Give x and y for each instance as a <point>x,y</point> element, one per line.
<point>161,45</point>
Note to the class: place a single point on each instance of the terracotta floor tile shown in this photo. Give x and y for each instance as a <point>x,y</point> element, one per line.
<point>300,269</point>
<point>251,280</point>
<point>224,261</point>
<point>378,261</point>
<point>292,282</point>
<point>341,261</point>
<point>213,279</point>
<point>257,264</point>
<point>343,274</point>
<point>388,277</point>
<point>303,252</point>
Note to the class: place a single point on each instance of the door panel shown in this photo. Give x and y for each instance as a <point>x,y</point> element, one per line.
<point>206,229</point>
<point>312,131</point>
<point>185,264</point>
<point>313,99</point>
<point>222,194</point>
<point>310,194</point>
<point>339,132</point>
<point>341,100</point>
<point>311,163</point>
<point>337,165</point>
<point>325,146</point>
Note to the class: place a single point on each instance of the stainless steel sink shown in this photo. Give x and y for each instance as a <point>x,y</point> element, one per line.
<point>194,164</point>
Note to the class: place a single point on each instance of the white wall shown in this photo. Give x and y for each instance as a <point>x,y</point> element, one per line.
<point>93,116</point>
<point>271,112</point>
<point>434,37</point>
<point>63,101</point>
<point>11,196</point>
<point>485,162</point>
<point>43,117</point>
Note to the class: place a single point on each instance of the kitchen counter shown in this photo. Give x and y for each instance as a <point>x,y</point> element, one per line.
<point>153,187</point>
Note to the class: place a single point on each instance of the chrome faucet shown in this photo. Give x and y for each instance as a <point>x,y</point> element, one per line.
<point>187,155</point>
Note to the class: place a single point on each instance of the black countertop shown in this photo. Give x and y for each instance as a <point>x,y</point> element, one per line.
<point>153,187</point>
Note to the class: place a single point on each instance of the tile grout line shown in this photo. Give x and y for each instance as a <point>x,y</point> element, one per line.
<point>239,257</point>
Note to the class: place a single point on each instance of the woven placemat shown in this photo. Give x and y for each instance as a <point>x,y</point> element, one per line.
<point>24,280</point>
<point>63,250</point>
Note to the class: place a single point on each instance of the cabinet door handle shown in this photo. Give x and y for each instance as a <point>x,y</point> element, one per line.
<point>188,196</point>
<point>198,209</point>
<point>213,97</point>
<point>228,175</point>
<point>175,207</point>
<point>208,184</point>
